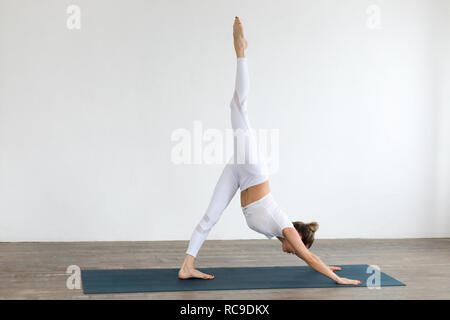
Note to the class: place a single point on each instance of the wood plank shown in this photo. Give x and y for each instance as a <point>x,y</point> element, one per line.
<point>38,270</point>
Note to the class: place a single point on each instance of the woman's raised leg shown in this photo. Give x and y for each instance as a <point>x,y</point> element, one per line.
<point>228,182</point>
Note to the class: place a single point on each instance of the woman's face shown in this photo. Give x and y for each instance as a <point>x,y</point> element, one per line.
<point>286,247</point>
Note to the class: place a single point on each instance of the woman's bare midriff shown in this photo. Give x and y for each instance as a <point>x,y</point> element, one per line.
<point>254,193</point>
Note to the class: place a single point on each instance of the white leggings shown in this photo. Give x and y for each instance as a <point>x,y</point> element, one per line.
<point>245,169</point>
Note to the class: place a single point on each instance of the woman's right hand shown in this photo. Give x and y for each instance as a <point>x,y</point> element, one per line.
<point>348,281</point>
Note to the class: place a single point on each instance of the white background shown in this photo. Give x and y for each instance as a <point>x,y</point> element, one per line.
<point>86,116</point>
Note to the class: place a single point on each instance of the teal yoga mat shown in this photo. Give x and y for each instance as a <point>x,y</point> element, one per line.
<point>163,280</point>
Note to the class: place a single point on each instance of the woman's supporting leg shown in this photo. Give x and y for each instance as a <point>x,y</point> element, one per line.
<point>224,191</point>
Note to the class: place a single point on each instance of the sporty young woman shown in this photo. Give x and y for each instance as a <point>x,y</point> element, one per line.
<point>248,172</point>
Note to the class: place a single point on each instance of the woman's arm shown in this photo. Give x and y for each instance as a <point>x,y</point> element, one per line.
<point>292,236</point>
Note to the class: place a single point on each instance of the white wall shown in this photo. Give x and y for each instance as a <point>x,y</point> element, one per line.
<point>86,116</point>
<point>441,222</point>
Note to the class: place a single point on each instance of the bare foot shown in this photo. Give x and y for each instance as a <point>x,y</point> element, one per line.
<point>240,43</point>
<point>186,273</point>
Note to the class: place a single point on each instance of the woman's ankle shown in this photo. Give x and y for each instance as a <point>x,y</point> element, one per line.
<point>188,262</point>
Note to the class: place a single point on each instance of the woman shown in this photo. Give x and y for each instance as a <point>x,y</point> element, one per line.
<point>247,171</point>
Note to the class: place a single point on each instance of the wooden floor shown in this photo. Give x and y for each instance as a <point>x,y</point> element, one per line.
<point>38,270</point>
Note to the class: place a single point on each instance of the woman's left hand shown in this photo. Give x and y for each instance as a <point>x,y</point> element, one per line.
<point>335,269</point>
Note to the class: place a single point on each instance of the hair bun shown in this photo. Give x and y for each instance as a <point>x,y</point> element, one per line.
<point>313,226</point>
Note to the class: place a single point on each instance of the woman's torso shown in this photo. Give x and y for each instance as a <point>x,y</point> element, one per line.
<point>254,193</point>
